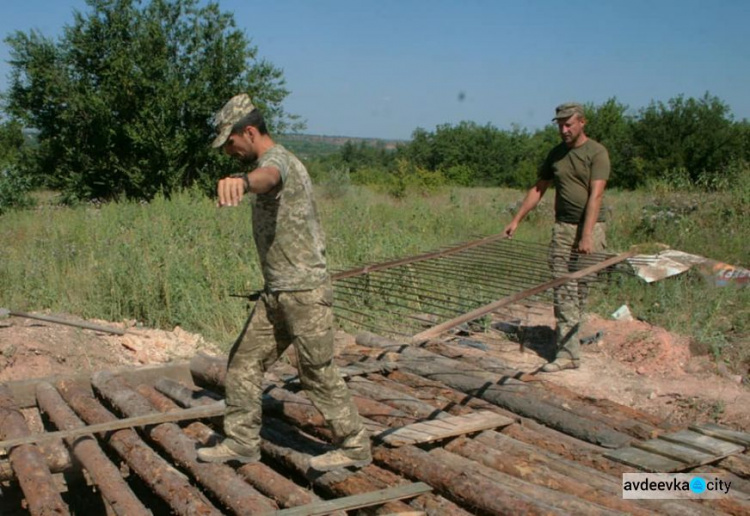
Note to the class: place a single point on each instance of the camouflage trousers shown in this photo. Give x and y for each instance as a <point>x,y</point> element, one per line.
<point>303,319</point>
<point>570,298</point>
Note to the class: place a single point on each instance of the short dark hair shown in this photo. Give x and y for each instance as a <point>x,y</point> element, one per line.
<point>253,118</point>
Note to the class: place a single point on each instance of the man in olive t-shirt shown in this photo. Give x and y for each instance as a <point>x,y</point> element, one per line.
<point>579,168</point>
<point>295,307</point>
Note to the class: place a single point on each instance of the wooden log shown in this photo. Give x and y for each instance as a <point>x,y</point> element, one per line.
<point>263,478</point>
<point>104,474</point>
<point>457,480</point>
<point>300,410</point>
<point>434,504</point>
<point>283,443</point>
<point>118,424</point>
<point>209,371</point>
<point>537,469</point>
<point>519,459</point>
<point>616,416</point>
<point>737,504</point>
<point>384,392</point>
<point>220,479</point>
<point>737,464</point>
<point>160,476</point>
<point>358,501</point>
<point>450,372</point>
<point>414,395</point>
<point>528,431</point>
<point>24,391</point>
<point>55,455</point>
<point>27,463</point>
<point>287,445</point>
<point>304,413</point>
<point>511,453</point>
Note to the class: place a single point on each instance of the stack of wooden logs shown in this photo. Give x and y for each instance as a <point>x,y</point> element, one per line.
<point>547,460</point>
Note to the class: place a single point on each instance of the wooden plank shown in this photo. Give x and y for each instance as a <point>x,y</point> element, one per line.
<point>215,409</point>
<point>645,460</point>
<point>725,434</point>
<point>690,456</point>
<point>435,429</point>
<point>704,443</point>
<point>357,501</point>
<point>508,300</point>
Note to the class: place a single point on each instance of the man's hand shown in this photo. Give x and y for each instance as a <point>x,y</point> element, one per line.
<point>231,190</point>
<point>510,229</point>
<point>586,245</point>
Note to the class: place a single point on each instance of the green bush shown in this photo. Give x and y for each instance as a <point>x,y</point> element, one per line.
<point>123,101</point>
<point>14,190</point>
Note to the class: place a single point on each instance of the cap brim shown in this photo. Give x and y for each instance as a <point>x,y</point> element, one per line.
<point>221,138</point>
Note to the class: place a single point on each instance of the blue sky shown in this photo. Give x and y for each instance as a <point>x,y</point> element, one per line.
<point>383,68</point>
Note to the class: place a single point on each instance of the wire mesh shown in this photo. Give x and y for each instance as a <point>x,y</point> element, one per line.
<point>406,296</point>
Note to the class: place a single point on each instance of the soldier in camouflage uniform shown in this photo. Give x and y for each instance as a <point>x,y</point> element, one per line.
<point>295,305</point>
<point>579,169</point>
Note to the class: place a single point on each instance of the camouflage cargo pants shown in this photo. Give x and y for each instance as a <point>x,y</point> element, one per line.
<point>303,319</point>
<point>570,298</point>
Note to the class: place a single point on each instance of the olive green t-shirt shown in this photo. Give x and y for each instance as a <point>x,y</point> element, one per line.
<point>572,171</point>
<point>286,228</point>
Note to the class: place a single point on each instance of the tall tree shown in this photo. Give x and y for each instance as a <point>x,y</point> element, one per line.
<point>123,100</point>
<point>610,125</point>
<point>697,136</point>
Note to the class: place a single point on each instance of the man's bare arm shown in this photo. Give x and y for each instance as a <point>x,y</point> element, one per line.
<point>533,196</point>
<point>262,180</point>
<point>593,206</point>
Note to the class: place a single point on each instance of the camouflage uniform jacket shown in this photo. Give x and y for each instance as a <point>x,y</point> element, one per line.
<point>286,228</point>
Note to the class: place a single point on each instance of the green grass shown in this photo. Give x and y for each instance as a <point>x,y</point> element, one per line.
<point>175,262</point>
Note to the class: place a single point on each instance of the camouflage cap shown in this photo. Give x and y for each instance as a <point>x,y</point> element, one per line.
<point>567,110</point>
<point>232,112</point>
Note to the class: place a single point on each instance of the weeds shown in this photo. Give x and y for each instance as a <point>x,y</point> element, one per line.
<point>175,262</point>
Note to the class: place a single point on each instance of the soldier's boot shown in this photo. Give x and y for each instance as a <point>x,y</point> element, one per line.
<point>222,452</point>
<point>561,364</point>
<point>354,453</point>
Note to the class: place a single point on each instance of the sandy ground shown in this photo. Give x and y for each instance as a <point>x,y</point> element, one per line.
<point>633,363</point>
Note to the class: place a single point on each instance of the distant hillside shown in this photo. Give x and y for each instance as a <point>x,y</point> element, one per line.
<point>313,145</point>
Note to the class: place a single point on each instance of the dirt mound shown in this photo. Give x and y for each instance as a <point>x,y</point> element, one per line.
<point>33,349</point>
<point>632,363</point>
<point>647,349</point>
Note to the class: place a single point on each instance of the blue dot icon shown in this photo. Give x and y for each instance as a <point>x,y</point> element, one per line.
<point>697,485</point>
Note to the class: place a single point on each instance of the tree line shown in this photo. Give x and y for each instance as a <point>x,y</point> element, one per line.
<point>120,106</point>
<point>688,141</point>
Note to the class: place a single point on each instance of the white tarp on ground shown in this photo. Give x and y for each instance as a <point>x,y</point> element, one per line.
<point>655,267</point>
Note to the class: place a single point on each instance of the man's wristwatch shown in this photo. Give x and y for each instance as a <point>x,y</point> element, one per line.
<point>245,180</point>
